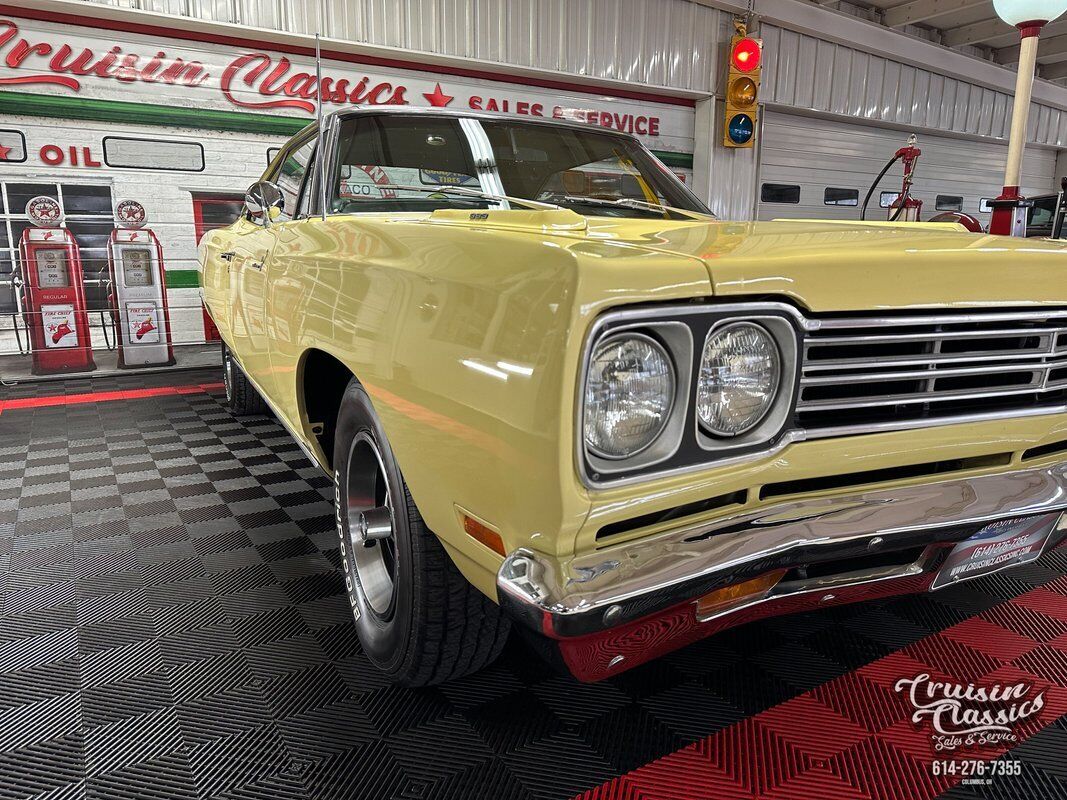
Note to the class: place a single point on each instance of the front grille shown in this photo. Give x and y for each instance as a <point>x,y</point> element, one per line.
<point>897,371</point>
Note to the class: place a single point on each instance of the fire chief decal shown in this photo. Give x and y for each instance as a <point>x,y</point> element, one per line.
<point>59,330</point>
<point>144,322</point>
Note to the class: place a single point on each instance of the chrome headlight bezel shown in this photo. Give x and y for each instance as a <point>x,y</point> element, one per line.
<point>676,341</point>
<point>684,444</point>
<point>670,396</point>
<point>778,420</point>
<point>772,391</point>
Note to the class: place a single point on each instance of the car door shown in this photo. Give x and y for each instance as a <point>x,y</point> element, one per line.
<point>250,272</point>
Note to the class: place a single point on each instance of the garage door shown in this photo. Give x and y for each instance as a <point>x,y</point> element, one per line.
<point>821,168</point>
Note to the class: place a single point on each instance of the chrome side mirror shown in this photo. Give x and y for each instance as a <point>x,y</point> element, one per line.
<point>263,202</point>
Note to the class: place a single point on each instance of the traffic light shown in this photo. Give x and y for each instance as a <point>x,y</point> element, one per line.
<point>742,90</point>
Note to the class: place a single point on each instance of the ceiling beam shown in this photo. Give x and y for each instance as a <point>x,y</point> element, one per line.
<point>1053,71</point>
<point>994,33</point>
<point>922,10</point>
<point>1048,50</point>
<point>977,32</point>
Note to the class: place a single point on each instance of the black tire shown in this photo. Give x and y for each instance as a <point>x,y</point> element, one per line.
<point>431,625</point>
<point>241,396</point>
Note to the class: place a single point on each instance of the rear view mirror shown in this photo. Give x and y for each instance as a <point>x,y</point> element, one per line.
<point>263,202</point>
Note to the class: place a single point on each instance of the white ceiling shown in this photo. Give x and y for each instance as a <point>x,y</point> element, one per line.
<point>970,26</point>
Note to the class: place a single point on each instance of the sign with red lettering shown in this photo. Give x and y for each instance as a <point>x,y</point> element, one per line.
<point>36,56</point>
<point>53,155</point>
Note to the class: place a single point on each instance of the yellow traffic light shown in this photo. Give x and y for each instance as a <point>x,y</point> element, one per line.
<point>742,90</point>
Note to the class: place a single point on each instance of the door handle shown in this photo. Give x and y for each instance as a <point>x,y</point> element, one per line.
<point>228,255</point>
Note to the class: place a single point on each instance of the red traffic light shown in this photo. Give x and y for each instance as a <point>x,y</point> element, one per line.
<point>746,55</point>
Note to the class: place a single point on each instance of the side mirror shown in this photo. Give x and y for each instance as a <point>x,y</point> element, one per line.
<point>263,202</point>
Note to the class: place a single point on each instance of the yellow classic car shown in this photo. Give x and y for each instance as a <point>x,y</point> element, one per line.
<point>556,395</point>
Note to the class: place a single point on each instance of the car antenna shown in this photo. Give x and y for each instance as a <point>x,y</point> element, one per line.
<point>319,160</point>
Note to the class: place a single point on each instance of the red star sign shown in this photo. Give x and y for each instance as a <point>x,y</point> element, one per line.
<point>4,151</point>
<point>438,97</point>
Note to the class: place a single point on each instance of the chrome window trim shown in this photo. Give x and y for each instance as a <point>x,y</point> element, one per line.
<point>795,434</point>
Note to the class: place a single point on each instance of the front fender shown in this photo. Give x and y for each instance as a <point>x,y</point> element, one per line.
<point>468,342</point>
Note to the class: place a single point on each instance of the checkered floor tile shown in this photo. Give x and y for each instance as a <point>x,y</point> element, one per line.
<point>173,626</point>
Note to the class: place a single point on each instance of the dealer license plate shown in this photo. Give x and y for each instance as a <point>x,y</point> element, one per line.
<point>1007,543</point>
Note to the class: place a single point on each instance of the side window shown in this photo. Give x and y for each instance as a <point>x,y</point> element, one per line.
<point>779,193</point>
<point>832,196</point>
<point>291,176</point>
<point>948,202</point>
<point>1042,212</point>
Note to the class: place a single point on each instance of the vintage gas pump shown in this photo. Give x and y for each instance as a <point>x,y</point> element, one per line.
<point>904,208</point>
<point>138,290</point>
<point>54,293</point>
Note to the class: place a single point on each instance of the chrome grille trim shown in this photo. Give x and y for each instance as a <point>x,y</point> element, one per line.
<point>879,373</point>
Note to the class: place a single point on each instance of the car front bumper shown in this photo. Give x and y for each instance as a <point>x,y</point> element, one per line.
<point>869,543</point>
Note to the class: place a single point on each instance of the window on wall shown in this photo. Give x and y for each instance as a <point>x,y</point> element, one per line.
<point>131,153</point>
<point>886,199</point>
<point>779,193</point>
<point>948,202</point>
<point>213,211</point>
<point>984,205</point>
<point>88,212</point>
<point>12,146</point>
<point>840,197</point>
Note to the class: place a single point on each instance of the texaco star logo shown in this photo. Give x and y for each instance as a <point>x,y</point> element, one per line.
<point>130,214</point>
<point>44,212</point>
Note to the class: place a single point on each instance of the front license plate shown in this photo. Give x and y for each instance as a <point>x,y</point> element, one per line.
<point>1007,543</point>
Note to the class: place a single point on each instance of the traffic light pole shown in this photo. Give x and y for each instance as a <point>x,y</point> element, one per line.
<point>1009,209</point>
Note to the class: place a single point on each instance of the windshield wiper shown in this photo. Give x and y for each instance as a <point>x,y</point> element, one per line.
<point>629,202</point>
<point>459,190</point>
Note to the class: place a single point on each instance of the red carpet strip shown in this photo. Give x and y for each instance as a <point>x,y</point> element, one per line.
<point>853,739</point>
<point>104,397</point>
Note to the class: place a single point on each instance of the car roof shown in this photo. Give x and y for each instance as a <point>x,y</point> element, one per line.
<point>370,110</point>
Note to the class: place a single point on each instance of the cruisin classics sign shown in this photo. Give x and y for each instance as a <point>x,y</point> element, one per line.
<point>62,59</point>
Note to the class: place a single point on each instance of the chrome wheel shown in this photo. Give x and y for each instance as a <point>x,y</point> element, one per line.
<point>369,539</point>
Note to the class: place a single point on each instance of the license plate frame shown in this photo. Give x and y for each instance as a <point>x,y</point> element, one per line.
<point>1004,543</point>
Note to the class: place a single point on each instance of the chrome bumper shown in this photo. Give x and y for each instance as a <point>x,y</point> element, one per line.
<point>615,585</point>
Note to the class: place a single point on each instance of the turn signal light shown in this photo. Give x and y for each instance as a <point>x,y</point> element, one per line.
<point>738,594</point>
<point>484,534</point>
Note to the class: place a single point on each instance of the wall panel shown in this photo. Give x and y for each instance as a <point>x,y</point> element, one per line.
<point>867,86</point>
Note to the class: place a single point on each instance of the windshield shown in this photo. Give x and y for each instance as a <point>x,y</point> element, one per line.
<point>588,171</point>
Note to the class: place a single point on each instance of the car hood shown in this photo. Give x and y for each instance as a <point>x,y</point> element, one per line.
<point>833,266</point>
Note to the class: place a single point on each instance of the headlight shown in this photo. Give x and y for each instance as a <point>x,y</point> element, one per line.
<point>629,390</point>
<point>740,371</point>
